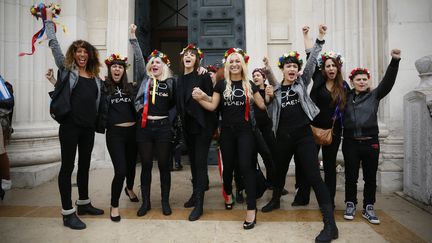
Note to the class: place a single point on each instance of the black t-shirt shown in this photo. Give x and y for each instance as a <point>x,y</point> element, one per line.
<point>121,108</point>
<point>327,108</point>
<point>261,116</point>
<point>163,99</point>
<point>292,114</point>
<point>83,102</point>
<point>233,110</point>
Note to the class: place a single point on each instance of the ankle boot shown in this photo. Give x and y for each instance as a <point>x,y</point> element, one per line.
<point>145,206</point>
<point>274,202</point>
<point>330,231</point>
<point>191,202</point>
<point>72,221</point>
<point>166,208</point>
<point>83,209</point>
<point>198,210</point>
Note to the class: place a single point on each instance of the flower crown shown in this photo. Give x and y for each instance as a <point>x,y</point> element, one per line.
<point>116,58</point>
<point>36,10</point>
<point>356,71</point>
<point>236,50</point>
<point>284,58</point>
<point>161,55</point>
<point>193,47</point>
<point>212,68</point>
<point>330,55</point>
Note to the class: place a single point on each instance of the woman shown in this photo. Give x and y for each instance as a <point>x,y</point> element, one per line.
<point>329,94</point>
<point>234,97</point>
<point>198,124</point>
<point>81,68</point>
<point>155,97</point>
<point>360,132</point>
<point>292,111</point>
<point>120,134</point>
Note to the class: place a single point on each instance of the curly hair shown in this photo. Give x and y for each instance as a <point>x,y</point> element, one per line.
<point>93,64</point>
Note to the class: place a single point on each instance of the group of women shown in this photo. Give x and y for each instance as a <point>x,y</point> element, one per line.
<point>135,118</point>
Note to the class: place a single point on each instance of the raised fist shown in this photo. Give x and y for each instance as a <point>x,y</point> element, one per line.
<point>396,53</point>
<point>305,30</point>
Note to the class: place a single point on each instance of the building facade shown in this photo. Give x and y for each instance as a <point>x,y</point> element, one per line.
<point>364,31</point>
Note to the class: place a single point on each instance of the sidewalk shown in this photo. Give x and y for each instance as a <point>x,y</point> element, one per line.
<point>33,215</point>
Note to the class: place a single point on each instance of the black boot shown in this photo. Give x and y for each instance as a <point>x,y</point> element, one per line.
<point>191,202</point>
<point>2,192</point>
<point>274,202</point>
<point>145,206</point>
<point>198,210</point>
<point>330,231</point>
<point>72,221</point>
<point>89,209</point>
<point>165,191</point>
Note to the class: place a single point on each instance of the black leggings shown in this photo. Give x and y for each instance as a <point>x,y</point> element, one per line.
<point>155,140</point>
<point>71,137</point>
<point>237,145</point>
<point>198,147</point>
<point>121,146</point>
<point>300,142</point>
<point>329,154</point>
<point>367,152</point>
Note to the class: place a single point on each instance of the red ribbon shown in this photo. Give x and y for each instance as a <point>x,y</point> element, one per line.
<point>146,104</point>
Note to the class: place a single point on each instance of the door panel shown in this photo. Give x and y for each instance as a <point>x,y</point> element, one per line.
<point>215,26</point>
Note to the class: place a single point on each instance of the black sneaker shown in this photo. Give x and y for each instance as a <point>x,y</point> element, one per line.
<point>369,214</point>
<point>350,211</point>
<point>72,221</point>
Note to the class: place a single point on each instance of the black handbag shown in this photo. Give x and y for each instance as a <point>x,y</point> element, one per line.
<point>60,106</point>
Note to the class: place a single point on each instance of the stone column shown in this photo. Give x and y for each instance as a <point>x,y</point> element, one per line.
<point>418,136</point>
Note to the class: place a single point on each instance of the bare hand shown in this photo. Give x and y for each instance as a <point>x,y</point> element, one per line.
<point>202,71</point>
<point>132,30</point>
<point>49,12</point>
<point>198,94</point>
<point>305,30</point>
<point>265,61</point>
<point>50,76</point>
<point>396,53</point>
<point>269,91</point>
<point>322,31</point>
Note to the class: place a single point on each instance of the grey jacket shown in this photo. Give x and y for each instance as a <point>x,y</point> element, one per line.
<point>300,87</point>
<point>59,60</point>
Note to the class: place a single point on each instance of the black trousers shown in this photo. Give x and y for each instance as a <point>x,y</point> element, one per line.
<point>121,145</point>
<point>155,140</point>
<point>299,142</point>
<point>237,145</point>
<point>365,152</point>
<point>329,154</point>
<point>269,138</point>
<point>198,148</point>
<point>72,137</point>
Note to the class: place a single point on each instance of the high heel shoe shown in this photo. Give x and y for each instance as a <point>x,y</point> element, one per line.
<point>132,199</point>
<point>229,206</point>
<point>114,218</point>
<point>250,225</point>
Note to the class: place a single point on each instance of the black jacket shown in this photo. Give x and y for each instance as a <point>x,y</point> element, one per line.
<point>360,118</point>
<point>186,104</point>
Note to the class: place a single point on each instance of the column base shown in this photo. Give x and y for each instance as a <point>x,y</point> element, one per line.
<point>34,175</point>
<point>389,181</point>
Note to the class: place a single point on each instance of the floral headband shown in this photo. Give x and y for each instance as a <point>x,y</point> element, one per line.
<point>192,47</point>
<point>38,10</point>
<point>116,58</point>
<point>292,54</point>
<point>357,71</point>
<point>161,55</point>
<point>330,55</point>
<point>236,50</point>
<point>211,68</point>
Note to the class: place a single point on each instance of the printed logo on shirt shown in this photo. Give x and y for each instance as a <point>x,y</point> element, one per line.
<point>120,99</point>
<point>238,98</point>
<point>161,90</point>
<point>289,98</point>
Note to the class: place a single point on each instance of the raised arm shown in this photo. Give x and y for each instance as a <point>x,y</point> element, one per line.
<point>207,102</point>
<point>312,61</point>
<point>53,43</point>
<point>268,72</point>
<point>386,84</point>
<point>317,76</point>
<point>139,58</point>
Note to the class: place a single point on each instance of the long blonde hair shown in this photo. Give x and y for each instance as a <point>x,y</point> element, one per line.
<point>227,94</point>
<point>166,71</point>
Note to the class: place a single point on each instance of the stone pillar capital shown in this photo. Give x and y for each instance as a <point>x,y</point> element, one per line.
<point>424,67</point>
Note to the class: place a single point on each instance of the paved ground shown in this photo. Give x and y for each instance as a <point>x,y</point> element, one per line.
<point>33,215</point>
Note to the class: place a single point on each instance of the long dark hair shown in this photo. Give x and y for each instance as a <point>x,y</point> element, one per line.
<point>93,64</point>
<point>123,84</point>
<point>197,61</point>
<point>338,93</point>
